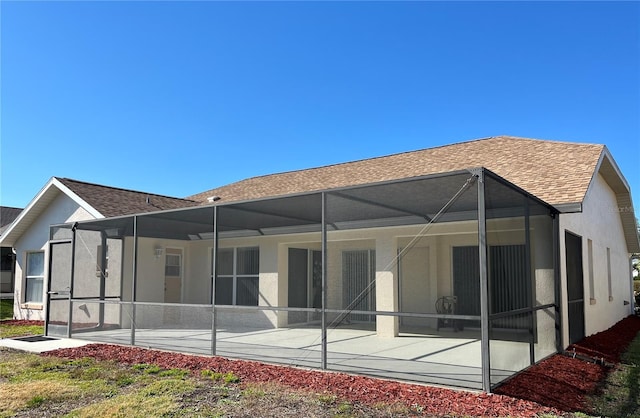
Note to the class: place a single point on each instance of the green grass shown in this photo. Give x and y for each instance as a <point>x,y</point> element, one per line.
<point>620,395</point>
<point>10,331</point>
<point>33,385</point>
<point>6,309</point>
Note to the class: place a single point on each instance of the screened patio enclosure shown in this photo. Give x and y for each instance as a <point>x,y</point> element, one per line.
<point>447,279</point>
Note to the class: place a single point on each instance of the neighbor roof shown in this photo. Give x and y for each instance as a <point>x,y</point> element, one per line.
<point>556,172</point>
<point>112,201</point>
<point>7,215</point>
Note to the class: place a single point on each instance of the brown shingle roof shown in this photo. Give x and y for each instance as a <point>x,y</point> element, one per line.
<point>556,172</point>
<point>111,201</point>
<point>7,215</point>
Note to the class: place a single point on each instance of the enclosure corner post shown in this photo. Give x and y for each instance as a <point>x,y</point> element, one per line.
<point>214,262</point>
<point>324,281</point>
<point>71,280</point>
<point>133,280</point>
<point>484,286</point>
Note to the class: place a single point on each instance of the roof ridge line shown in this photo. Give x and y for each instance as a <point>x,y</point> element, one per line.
<point>347,162</point>
<point>123,189</point>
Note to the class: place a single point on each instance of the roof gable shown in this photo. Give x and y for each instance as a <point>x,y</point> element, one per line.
<point>556,172</point>
<point>99,201</point>
<point>37,206</point>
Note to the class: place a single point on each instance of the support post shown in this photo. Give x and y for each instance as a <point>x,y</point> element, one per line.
<point>532,287</point>
<point>134,280</point>
<point>103,277</point>
<point>324,282</point>
<point>72,270</point>
<point>214,266</point>
<point>484,286</point>
<point>556,279</point>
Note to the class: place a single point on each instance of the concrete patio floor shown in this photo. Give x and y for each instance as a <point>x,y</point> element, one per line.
<point>445,358</point>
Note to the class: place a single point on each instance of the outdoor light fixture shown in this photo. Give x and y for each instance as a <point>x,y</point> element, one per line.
<point>158,252</point>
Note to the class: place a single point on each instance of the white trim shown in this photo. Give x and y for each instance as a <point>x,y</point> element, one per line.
<point>53,182</point>
<point>83,203</point>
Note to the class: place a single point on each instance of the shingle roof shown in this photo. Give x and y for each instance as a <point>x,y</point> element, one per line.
<point>556,172</point>
<point>112,201</point>
<point>7,215</point>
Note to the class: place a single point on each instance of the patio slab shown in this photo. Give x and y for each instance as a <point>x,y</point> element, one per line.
<point>448,359</point>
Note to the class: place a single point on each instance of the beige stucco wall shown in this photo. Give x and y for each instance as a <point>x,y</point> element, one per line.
<point>599,222</point>
<point>63,209</point>
<point>425,273</point>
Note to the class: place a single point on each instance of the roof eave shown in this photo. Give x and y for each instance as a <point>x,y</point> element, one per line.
<point>611,173</point>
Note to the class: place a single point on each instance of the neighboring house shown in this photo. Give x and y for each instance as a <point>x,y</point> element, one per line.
<point>63,200</point>
<point>521,246</point>
<point>7,259</point>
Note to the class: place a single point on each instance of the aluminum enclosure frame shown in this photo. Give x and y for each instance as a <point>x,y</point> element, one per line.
<point>312,212</point>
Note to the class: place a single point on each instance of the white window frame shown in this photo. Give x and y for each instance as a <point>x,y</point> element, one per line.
<point>30,277</point>
<point>609,278</point>
<point>168,256</point>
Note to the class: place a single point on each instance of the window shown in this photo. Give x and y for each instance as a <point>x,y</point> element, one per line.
<point>592,293</point>
<point>6,259</point>
<point>172,266</point>
<point>237,280</point>
<point>609,274</point>
<point>35,277</point>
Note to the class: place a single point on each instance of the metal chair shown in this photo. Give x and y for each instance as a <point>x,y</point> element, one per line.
<point>446,305</point>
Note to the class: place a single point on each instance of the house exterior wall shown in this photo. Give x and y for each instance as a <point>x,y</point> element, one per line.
<point>599,222</point>
<point>423,274</point>
<point>63,209</point>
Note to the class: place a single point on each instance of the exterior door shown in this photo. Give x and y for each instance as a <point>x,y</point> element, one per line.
<point>358,280</point>
<point>305,282</point>
<point>58,296</point>
<point>575,286</point>
<point>466,282</point>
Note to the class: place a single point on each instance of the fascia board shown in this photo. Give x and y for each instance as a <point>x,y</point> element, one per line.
<point>81,202</point>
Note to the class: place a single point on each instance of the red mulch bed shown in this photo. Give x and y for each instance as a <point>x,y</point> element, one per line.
<point>434,401</point>
<point>21,322</point>
<point>566,383</point>
<point>610,344</point>
<point>559,383</point>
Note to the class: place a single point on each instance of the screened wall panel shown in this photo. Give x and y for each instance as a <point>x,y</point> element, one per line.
<point>268,280</point>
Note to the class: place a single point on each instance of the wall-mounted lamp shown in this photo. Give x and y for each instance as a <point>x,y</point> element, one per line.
<point>158,252</point>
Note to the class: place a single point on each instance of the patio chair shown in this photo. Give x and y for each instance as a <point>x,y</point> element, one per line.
<point>446,305</point>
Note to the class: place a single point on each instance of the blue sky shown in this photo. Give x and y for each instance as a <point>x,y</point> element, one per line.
<point>176,98</point>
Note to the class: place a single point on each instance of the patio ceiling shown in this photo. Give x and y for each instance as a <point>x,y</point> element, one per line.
<point>404,202</point>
